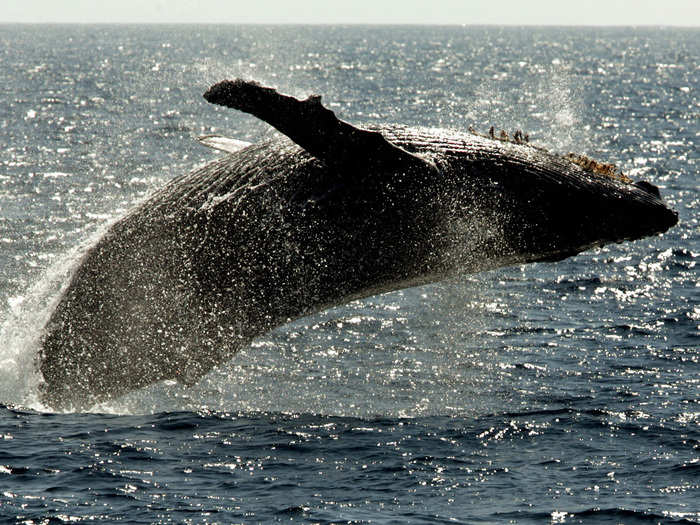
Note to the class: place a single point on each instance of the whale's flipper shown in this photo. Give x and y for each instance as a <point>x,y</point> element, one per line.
<point>223,143</point>
<point>315,128</point>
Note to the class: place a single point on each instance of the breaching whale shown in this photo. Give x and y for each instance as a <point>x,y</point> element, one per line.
<point>326,213</point>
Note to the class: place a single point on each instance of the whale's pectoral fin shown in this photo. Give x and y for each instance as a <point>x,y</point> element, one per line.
<point>315,128</point>
<point>223,143</point>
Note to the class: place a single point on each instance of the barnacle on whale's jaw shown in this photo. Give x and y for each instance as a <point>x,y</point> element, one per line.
<point>606,169</point>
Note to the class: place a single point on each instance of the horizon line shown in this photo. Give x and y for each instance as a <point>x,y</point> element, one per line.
<point>366,24</point>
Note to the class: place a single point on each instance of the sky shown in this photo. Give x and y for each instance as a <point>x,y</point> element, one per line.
<point>469,12</point>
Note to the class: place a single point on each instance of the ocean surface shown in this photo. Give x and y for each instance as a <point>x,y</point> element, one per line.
<point>550,393</point>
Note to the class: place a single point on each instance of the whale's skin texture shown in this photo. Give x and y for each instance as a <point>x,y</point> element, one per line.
<point>274,232</point>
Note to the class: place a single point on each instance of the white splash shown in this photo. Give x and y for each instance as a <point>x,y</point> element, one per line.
<point>21,326</point>
<point>549,110</point>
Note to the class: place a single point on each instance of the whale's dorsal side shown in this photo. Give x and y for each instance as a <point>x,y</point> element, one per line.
<point>316,128</point>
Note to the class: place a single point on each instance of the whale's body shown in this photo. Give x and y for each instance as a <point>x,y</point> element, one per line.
<point>286,227</point>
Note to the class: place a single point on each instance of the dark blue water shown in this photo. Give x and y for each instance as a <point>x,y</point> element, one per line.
<point>561,393</point>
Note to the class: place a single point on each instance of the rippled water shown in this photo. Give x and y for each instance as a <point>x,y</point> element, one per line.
<point>564,392</point>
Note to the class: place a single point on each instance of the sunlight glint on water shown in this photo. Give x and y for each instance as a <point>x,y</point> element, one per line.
<point>552,392</point>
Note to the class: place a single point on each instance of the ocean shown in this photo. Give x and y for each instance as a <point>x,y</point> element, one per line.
<point>561,392</point>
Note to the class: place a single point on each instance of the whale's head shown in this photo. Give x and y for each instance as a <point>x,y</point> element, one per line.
<point>504,202</point>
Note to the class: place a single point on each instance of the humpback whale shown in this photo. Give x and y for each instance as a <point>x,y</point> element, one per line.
<point>325,213</point>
